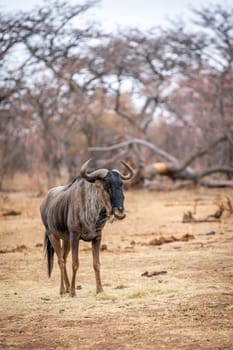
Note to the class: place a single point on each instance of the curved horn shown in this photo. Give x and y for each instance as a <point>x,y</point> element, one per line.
<point>130,174</point>
<point>100,173</point>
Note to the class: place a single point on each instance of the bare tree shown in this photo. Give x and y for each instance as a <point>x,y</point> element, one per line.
<point>162,99</point>
<point>183,80</point>
<point>47,86</point>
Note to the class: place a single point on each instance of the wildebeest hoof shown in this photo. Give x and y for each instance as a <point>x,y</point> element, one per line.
<point>99,291</point>
<point>72,294</point>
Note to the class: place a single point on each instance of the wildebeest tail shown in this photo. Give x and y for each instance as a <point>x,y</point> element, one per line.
<point>49,253</point>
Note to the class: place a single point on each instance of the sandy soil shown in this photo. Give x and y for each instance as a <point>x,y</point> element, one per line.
<point>189,306</point>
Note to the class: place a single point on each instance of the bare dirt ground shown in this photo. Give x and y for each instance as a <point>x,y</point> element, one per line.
<point>188,306</point>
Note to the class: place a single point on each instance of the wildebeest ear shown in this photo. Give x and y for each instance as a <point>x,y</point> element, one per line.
<point>91,181</point>
<point>98,183</point>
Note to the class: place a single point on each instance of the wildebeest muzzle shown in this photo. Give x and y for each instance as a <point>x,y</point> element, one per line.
<point>119,213</point>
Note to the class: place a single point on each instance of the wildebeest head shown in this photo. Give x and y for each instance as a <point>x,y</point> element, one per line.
<point>112,183</point>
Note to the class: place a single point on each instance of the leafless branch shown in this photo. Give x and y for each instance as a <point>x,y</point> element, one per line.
<point>147,144</point>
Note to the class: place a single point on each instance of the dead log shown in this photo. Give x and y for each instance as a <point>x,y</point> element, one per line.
<point>224,206</point>
<point>154,273</point>
<point>11,213</point>
<point>172,167</point>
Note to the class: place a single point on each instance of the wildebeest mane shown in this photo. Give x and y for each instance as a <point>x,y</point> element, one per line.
<point>92,204</point>
<point>77,178</point>
<point>101,219</point>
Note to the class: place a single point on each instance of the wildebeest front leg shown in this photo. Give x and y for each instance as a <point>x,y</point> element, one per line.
<point>74,243</point>
<point>96,264</point>
<point>65,252</point>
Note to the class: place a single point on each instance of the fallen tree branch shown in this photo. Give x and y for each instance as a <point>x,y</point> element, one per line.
<point>188,218</point>
<point>216,183</point>
<point>172,167</point>
<point>224,170</point>
<point>147,144</point>
<point>224,206</point>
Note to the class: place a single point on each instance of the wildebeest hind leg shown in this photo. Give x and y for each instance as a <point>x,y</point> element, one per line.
<point>66,250</point>
<point>74,243</point>
<point>58,250</point>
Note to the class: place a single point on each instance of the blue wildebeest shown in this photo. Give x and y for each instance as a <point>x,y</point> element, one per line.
<point>80,211</point>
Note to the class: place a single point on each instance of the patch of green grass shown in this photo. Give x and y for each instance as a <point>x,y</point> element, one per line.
<point>137,294</point>
<point>121,286</point>
<point>148,292</point>
<point>105,297</point>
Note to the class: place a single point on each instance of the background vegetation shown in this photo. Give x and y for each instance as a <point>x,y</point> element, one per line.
<point>67,87</point>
